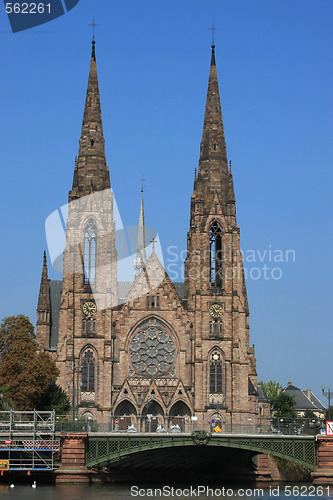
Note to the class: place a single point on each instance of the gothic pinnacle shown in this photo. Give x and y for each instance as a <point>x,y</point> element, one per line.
<point>44,294</point>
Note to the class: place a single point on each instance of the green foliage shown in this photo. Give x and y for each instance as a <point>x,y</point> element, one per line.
<point>292,471</point>
<point>271,388</point>
<point>82,424</point>
<point>24,371</point>
<point>283,406</point>
<point>5,402</point>
<point>55,399</point>
<point>310,414</point>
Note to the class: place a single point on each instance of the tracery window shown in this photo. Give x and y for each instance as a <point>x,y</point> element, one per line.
<point>152,349</point>
<point>90,240</point>
<point>215,373</point>
<point>88,372</point>
<point>215,255</point>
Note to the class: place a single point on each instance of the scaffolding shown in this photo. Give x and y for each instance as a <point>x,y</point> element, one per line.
<point>27,440</point>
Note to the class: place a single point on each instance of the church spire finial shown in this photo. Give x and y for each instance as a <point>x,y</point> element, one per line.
<point>213,29</point>
<point>93,54</point>
<point>142,180</point>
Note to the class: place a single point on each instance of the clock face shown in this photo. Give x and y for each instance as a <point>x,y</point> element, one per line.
<point>215,310</point>
<point>89,308</point>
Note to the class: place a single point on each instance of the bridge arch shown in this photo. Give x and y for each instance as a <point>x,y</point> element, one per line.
<point>113,449</point>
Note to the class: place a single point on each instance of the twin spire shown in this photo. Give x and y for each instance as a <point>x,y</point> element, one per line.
<point>91,171</point>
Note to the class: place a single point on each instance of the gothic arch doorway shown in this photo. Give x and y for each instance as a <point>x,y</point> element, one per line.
<point>125,415</point>
<point>180,414</point>
<point>216,421</point>
<point>152,417</point>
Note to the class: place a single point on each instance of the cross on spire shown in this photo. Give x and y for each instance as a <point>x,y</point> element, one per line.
<point>213,29</point>
<point>93,24</point>
<point>142,180</point>
<point>153,241</point>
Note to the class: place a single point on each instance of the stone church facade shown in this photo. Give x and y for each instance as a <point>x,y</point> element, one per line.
<point>157,354</point>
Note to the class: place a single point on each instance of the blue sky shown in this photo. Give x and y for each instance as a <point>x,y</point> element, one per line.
<point>274,61</point>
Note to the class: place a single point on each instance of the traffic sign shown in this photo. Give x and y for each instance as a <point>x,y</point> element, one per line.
<point>116,421</point>
<point>4,465</point>
<point>213,421</point>
<point>329,428</point>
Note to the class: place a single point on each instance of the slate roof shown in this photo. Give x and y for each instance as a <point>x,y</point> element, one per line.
<point>180,288</point>
<point>55,293</point>
<point>262,396</point>
<point>316,402</point>
<point>252,391</point>
<point>302,401</point>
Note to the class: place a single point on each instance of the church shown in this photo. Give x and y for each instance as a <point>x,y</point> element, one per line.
<point>153,355</point>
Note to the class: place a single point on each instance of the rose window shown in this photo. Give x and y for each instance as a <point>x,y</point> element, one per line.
<point>152,350</point>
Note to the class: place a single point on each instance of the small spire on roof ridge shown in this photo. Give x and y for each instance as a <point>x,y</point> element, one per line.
<point>44,258</point>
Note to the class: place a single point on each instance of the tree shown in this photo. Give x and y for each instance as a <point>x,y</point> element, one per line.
<point>5,403</point>
<point>24,371</point>
<point>271,388</point>
<point>55,399</point>
<point>283,406</point>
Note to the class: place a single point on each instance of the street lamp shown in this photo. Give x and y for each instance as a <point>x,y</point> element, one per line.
<point>327,394</point>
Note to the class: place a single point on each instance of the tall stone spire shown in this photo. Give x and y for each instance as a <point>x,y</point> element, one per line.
<point>213,164</point>
<point>141,256</point>
<point>44,309</point>
<point>91,171</point>
<point>44,293</point>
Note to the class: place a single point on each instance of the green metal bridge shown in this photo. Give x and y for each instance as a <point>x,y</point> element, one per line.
<point>109,450</point>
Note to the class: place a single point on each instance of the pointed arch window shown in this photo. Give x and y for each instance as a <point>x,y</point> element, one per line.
<point>88,372</point>
<point>90,241</point>
<point>215,239</point>
<point>215,373</point>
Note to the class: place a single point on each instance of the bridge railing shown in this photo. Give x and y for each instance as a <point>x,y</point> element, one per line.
<point>149,424</point>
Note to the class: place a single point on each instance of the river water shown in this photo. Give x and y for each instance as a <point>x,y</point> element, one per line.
<point>181,492</point>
